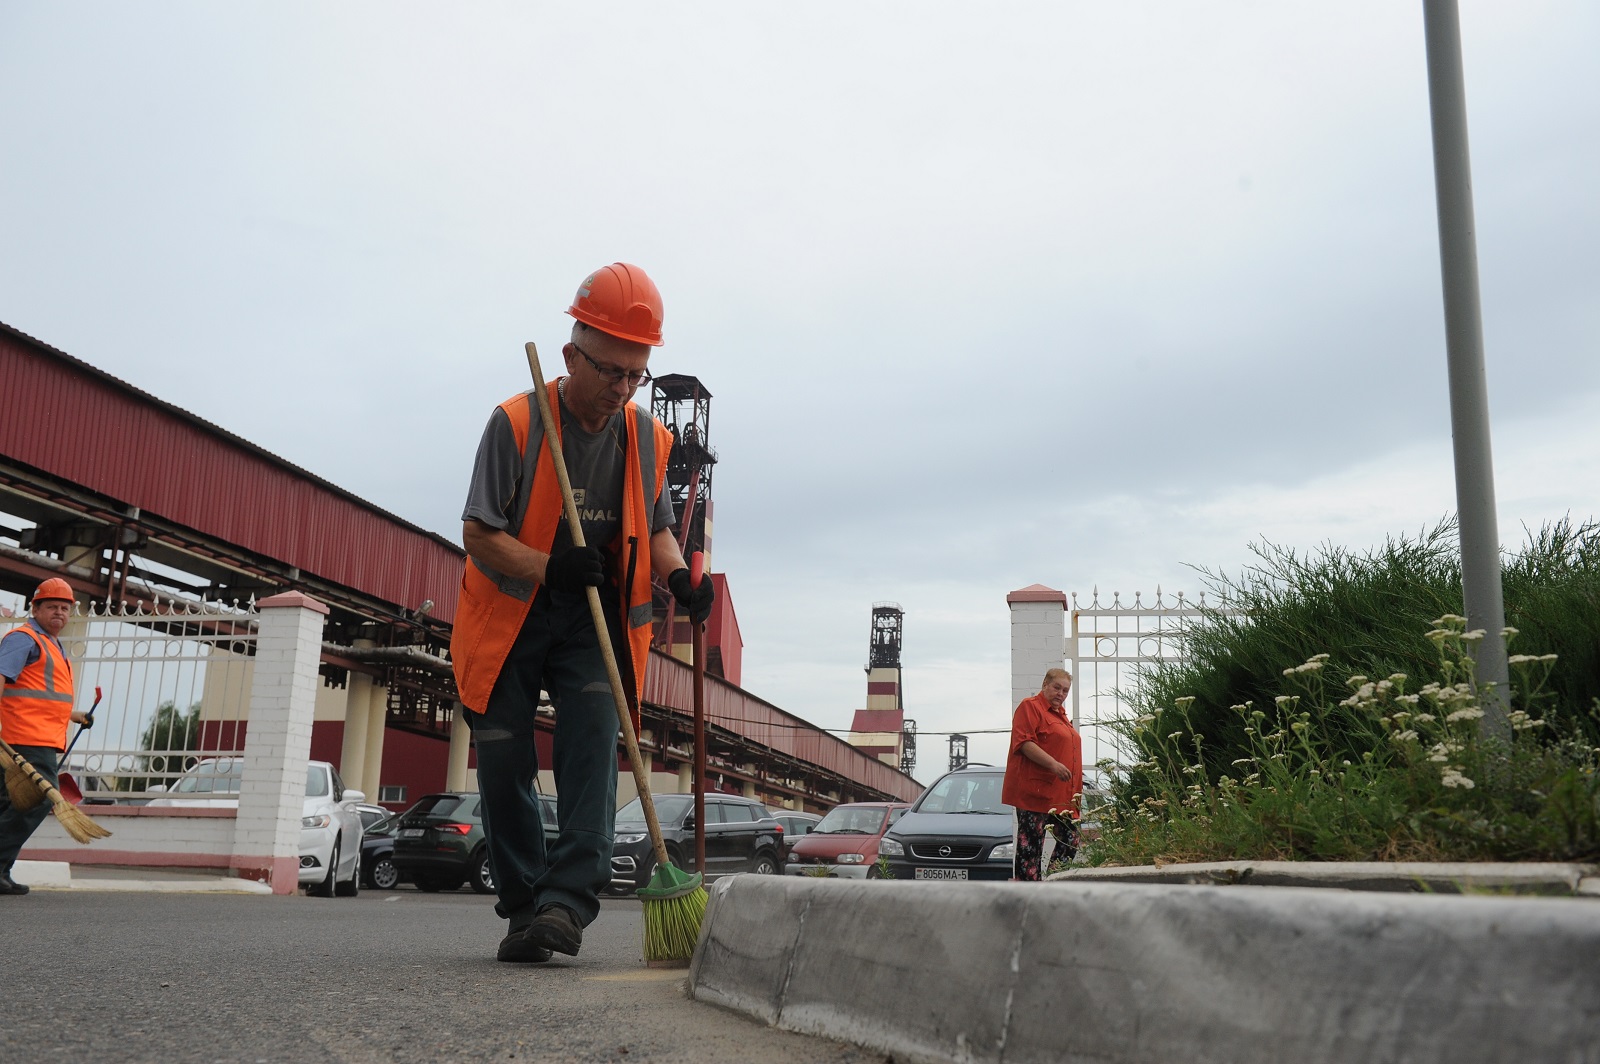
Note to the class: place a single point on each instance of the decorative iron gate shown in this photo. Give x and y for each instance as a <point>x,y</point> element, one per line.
<point>1106,648</point>
<point>175,681</point>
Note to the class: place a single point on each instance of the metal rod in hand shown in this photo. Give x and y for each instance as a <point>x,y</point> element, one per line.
<point>641,772</point>
<point>1482,593</point>
<point>699,746</point>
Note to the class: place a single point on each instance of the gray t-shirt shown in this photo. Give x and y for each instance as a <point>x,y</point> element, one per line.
<point>594,465</point>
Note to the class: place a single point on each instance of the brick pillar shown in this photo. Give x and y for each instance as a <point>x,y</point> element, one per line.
<point>283,698</point>
<point>455,776</point>
<point>1038,637</point>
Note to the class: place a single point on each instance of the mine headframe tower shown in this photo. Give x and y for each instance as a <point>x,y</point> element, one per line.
<point>683,405</point>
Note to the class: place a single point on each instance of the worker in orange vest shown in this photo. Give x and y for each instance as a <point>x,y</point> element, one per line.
<point>523,622</point>
<point>35,708</point>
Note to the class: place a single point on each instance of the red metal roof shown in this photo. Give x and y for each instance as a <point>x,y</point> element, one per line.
<point>127,445</point>
<point>670,682</point>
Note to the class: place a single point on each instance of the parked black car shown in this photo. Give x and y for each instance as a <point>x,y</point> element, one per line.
<point>440,843</point>
<point>957,829</point>
<point>377,852</point>
<point>741,836</point>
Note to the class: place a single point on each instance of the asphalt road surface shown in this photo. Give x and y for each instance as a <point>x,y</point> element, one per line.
<point>395,976</point>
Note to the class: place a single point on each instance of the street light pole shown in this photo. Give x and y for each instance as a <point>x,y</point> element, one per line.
<point>1463,327</point>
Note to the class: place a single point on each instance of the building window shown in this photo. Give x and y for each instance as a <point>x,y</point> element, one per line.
<point>391,793</point>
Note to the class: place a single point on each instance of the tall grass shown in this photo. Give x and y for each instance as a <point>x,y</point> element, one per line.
<point>1274,740</point>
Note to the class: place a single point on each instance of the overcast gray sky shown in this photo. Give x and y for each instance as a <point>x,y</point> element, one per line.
<point>987,295</point>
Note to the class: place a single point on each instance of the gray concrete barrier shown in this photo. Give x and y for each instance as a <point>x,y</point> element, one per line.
<point>1130,973</point>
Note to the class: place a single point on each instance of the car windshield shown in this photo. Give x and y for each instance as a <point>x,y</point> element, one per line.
<point>211,777</point>
<point>670,808</point>
<point>851,820</point>
<point>317,781</point>
<point>964,793</point>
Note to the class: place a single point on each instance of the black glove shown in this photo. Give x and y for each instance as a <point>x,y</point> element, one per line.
<point>575,569</point>
<point>697,600</point>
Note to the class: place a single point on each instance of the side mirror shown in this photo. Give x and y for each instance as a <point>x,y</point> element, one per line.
<point>355,796</point>
<point>157,788</point>
<point>688,821</point>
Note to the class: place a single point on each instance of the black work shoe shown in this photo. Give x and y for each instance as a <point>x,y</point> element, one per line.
<point>516,948</point>
<point>556,928</point>
<point>11,886</point>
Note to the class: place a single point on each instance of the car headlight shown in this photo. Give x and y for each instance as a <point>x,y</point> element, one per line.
<point>891,847</point>
<point>850,858</point>
<point>320,821</point>
<point>627,840</point>
<point>1006,851</point>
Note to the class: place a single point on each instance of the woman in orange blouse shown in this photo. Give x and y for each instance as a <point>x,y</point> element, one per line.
<point>1044,776</point>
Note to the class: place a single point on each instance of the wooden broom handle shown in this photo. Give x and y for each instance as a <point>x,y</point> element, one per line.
<point>641,775</point>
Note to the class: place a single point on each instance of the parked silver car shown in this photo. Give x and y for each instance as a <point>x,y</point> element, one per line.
<point>330,822</point>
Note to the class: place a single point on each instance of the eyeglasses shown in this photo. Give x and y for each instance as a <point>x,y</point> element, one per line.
<point>614,375</point>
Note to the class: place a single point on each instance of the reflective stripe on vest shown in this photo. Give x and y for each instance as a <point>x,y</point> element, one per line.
<point>494,606</point>
<point>37,710</point>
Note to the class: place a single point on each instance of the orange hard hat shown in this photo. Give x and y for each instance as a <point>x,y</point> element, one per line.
<point>53,588</point>
<point>621,300</point>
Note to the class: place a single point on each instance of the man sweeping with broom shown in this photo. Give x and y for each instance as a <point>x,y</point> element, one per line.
<point>524,622</point>
<point>35,708</point>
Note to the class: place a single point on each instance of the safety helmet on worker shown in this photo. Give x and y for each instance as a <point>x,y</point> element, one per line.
<point>620,299</point>
<point>53,588</point>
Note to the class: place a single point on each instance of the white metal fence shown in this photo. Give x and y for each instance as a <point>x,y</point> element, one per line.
<point>175,688</point>
<point>1107,646</point>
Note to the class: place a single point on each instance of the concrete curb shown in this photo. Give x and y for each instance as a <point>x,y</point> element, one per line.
<point>57,875</point>
<point>1112,972</point>
<point>1415,876</point>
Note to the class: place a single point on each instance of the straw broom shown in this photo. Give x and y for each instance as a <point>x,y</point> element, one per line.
<point>74,820</point>
<point>19,788</point>
<point>674,902</point>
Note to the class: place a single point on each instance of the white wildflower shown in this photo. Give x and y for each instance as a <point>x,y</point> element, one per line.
<point>1470,713</point>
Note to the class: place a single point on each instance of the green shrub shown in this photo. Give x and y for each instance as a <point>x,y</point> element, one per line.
<point>1237,756</point>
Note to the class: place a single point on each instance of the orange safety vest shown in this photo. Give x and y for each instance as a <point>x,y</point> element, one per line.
<point>36,710</point>
<point>493,606</point>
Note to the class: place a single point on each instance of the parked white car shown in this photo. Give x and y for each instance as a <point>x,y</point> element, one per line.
<point>330,823</point>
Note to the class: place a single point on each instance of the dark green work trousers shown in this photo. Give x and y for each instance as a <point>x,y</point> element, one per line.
<point>15,825</point>
<point>557,648</point>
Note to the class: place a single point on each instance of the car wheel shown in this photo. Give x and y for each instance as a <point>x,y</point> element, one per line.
<point>384,875</point>
<point>353,887</point>
<point>764,865</point>
<point>481,878</point>
<point>326,887</point>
